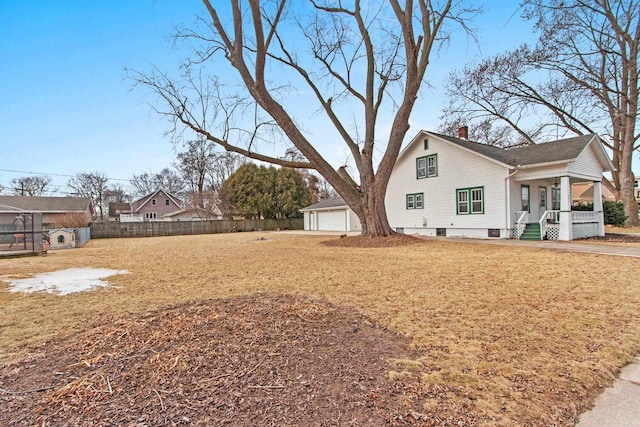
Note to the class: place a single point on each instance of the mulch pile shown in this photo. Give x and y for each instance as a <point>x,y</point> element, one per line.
<point>614,237</point>
<point>258,360</point>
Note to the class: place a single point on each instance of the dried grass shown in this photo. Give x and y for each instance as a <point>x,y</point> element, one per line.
<point>528,335</point>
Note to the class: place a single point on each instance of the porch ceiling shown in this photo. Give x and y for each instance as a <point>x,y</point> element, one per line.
<point>553,176</point>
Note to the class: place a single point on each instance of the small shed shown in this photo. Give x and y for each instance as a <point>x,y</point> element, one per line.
<point>62,238</point>
<point>330,215</point>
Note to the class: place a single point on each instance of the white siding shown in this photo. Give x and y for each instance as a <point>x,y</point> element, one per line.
<point>307,222</point>
<point>541,172</point>
<point>587,165</point>
<point>339,219</point>
<point>334,220</point>
<point>354,221</point>
<point>457,168</point>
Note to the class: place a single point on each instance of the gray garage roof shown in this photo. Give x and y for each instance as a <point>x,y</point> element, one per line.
<point>44,204</point>
<point>326,204</point>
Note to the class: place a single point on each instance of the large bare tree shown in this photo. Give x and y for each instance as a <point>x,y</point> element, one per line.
<point>167,179</point>
<point>92,185</point>
<point>581,77</point>
<point>358,60</point>
<point>36,185</point>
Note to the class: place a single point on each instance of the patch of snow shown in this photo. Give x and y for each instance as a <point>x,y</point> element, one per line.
<point>63,282</point>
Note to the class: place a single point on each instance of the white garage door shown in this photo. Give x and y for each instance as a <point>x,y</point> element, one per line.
<point>332,220</point>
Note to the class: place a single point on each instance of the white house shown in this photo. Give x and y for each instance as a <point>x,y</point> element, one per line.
<point>195,214</point>
<point>330,215</point>
<point>449,186</point>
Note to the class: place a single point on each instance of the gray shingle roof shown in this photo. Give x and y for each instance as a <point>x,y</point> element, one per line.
<point>45,204</point>
<point>324,204</point>
<point>557,151</point>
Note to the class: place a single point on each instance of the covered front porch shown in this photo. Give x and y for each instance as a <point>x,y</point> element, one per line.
<point>542,208</point>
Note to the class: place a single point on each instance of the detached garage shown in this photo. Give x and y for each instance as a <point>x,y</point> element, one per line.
<point>330,215</point>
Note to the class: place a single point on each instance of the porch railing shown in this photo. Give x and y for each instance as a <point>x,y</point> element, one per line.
<point>583,217</point>
<point>548,217</point>
<point>521,224</point>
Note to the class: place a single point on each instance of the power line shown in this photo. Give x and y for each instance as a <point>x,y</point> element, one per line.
<point>58,174</point>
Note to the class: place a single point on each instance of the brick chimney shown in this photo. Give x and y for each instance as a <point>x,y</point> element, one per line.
<point>463,132</point>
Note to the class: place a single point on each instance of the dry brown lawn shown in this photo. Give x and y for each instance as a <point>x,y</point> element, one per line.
<point>622,230</point>
<point>524,336</point>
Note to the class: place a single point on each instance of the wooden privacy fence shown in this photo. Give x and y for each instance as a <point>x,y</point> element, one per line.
<point>104,230</point>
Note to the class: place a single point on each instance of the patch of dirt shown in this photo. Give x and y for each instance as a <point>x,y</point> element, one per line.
<point>372,242</point>
<point>258,360</point>
<point>613,237</point>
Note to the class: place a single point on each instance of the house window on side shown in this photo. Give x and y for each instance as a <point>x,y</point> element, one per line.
<point>411,201</point>
<point>477,200</point>
<point>525,195</point>
<point>415,201</point>
<point>427,166</point>
<point>150,215</point>
<point>426,144</point>
<point>60,239</point>
<point>421,167</point>
<point>166,202</point>
<point>153,202</point>
<point>470,200</point>
<point>555,198</point>
<point>432,166</point>
<point>463,201</point>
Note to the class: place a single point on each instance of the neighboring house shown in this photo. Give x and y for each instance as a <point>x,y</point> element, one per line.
<point>195,214</point>
<point>448,186</point>
<point>62,238</point>
<point>54,210</point>
<point>152,207</point>
<point>118,208</point>
<point>583,193</point>
<point>330,215</point>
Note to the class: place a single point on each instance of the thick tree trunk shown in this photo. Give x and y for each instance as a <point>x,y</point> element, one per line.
<point>374,219</point>
<point>627,184</point>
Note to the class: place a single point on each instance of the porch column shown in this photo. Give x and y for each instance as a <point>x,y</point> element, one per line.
<point>597,206</point>
<point>566,228</point>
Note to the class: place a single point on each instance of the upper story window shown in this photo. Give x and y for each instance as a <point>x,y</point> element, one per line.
<point>415,201</point>
<point>166,202</point>
<point>150,215</point>
<point>427,166</point>
<point>153,202</point>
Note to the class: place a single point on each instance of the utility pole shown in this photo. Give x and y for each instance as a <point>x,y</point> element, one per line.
<point>21,189</point>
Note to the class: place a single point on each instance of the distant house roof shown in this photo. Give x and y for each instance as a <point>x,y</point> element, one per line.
<point>326,204</point>
<point>116,208</point>
<point>138,204</point>
<point>45,204</point>
<point>563,150</point>
<point>203,213</point>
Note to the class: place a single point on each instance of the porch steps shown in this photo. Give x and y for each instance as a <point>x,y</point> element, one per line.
<point>532,232</point>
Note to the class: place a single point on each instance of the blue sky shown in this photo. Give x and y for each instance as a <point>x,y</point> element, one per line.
<point>68,106</point>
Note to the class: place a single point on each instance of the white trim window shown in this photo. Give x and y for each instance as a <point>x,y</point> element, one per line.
<point>470,200</point>
<point>150,215</point>
<point>427,166</point>
<point>415,201</point>
<point>432,166</point>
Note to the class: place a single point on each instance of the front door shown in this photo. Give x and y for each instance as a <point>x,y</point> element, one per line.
<point>542,201</point>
